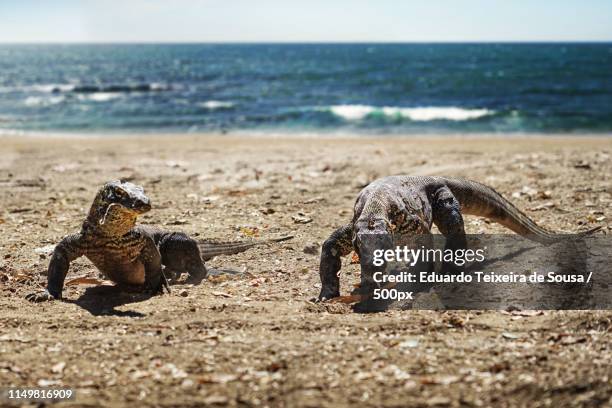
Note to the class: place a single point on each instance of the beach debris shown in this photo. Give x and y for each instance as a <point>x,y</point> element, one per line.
<point>301,218</point>
<point>16,339</point>
<point>45,250</point>
<point>410,343</point>
<point>215,399</point>
<point>249,231</point>
<point>39,182</point>
<point>178,221</point>
<point>257,282</point>
<point>174,371</point>
<point>525,191</point>
<point>592,218</point>
<point>209,199</point>
<point>457,320</point>
<point>58,368</point>
<point>62,168</point>
<point>582,164</point>
<point>47,383</point>
<point>566,339</point>
<point>314,200</point>
<point>23,277</point>
<point>183,293</point>
<point>438,401</point>
<point>511,336</point>
<point>84,280</point>
<point>543,195</point>
<point>347,299</point>
<point>267,210</point>
<point>541,207</point>
<point>311,249</point>
<point>20,210</point>
<point>176,164</point>
<point>440,380</point>
<point>523,313</point>
<point>222,294</point>
<point>217,378</point>
<point>237,193</point>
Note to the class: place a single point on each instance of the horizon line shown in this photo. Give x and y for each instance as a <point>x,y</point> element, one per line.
<point>303,42</point>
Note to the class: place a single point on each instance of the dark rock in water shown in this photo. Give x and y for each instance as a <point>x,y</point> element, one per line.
<point>86,89</point>
<point>119,88</point>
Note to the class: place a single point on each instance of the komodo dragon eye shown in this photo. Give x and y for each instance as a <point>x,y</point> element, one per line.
<point>115,194</point>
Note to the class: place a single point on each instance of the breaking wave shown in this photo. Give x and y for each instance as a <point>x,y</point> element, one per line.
<point>43,101</point>
<point>214,105</point>
<point>99,96</point>
<point>418,114</point>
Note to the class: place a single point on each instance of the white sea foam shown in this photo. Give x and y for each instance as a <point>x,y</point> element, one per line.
<point>48,88</point>
<point>100,96</point>
<point>159,86</point>
<point>352,112</point>
<point>359,112</point>
<point>43,101</point>
<point>212,105</point>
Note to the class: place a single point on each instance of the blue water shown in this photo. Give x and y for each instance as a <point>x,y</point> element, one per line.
<point>370,88</point>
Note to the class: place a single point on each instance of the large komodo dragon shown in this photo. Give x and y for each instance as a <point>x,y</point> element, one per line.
<point>409,205</point>
<point>131,254</point>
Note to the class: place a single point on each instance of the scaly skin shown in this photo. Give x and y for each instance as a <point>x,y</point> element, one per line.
<point>405,206</point>
<point>131,254</point>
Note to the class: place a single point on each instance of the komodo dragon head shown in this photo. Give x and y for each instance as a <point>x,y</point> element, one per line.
<point>384,223</point>
<point>117,206</point>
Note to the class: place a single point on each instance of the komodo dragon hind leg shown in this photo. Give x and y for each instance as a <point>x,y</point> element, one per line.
<point>180,253</point>
<point>446,212</point>
<point>339,244</point>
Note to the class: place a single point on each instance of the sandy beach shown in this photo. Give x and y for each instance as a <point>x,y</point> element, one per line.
<point>253,338</point>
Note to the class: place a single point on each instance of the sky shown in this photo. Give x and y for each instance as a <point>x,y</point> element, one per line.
<point>304,21</point>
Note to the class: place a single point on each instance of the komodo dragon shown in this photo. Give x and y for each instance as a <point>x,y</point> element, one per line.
<point>409,205</point>
<point>132,254</point>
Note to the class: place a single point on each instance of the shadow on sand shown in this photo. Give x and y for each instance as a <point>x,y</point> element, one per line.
<point>102,300</point>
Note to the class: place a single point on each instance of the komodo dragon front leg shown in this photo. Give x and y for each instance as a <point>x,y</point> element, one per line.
<point>69,249</point>
<point>151,258</point>
<point>339,244</point>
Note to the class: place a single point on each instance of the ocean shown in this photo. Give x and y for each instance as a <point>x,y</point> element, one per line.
<point>307,88</point>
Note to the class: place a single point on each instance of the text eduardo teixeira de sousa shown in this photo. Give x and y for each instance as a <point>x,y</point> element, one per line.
<point>410,257</point>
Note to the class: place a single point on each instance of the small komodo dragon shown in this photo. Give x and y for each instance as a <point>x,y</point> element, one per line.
<point>131,254</point>
<point>410,205</point>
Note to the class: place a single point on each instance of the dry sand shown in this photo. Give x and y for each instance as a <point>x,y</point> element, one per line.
<point>254,339</point>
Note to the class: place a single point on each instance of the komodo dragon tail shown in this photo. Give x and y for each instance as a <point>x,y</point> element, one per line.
<point>210,249</point>
<point>477,199</point>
